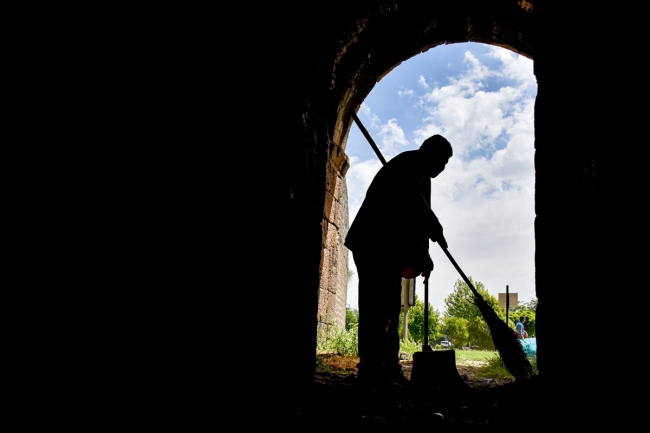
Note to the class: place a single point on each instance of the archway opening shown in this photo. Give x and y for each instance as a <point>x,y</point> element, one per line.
<point>481,98</point>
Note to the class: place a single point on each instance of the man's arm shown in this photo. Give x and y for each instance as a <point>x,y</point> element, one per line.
<point>434,232</point>
<point>427,268</point>
<point>432,224</point>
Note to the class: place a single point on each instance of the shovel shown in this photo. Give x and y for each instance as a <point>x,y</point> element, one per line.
<point>434,369</point>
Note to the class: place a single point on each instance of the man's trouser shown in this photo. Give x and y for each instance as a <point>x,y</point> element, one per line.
<point>380,286</point>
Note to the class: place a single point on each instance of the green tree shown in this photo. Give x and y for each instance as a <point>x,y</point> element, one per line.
<point>460,302</point>
<point>479,333</point>
<point>351,318</point>
<point>456,329</point>
<point>416,322</point>
<point>529,306</point>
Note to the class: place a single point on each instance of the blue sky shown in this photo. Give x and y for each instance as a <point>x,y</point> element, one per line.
<point>481,98</point>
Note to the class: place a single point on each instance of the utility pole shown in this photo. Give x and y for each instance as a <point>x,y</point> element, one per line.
<point>507,303</point>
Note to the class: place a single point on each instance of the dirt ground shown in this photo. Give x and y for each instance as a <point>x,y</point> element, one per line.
<point>468,402</point>
<point>467,371</point>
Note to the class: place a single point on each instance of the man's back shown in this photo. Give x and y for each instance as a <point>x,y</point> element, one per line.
<point>386,218</point>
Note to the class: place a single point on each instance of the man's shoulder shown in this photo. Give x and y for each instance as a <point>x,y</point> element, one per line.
<point>406,155</point>
<point>405,161</point>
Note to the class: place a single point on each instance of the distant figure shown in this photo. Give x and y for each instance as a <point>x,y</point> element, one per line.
<point>521,332</point>
<point>389,239</point>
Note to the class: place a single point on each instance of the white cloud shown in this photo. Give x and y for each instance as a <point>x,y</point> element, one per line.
<point>476,70</point>
<point>393,139</point>
<point>514,66</point>
<point>359,177</point>
<point>485,196</point>
<point>473,118</point>
<point>389,136</point>
<point>407,92</point>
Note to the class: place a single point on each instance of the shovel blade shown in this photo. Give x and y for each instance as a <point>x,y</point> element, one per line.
<point>436,370</point>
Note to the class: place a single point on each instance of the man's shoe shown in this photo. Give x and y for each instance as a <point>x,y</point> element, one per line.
<point>380,385</point>
<point>375,381</point>
<point>383,383</point>
<point>399,379</point>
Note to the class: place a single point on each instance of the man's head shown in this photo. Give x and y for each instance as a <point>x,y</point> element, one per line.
<point>522,318</point>
<point>437,151</point>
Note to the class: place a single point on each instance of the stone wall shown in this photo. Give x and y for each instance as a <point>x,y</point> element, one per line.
<point>589,183</point>
<point>332,292</point>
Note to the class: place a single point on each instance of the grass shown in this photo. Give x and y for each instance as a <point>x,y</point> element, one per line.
<point>336,361</point>
<point>474,355</point>
<point>337,352</point>
<point>496,369</point>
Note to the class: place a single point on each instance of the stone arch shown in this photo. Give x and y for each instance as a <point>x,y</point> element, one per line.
<point>391,37</point>
<point>379,43</point>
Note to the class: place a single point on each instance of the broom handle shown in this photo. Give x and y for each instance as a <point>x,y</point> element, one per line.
<point>370,140</point>
<point>460,271</point>
<point>425,344</point>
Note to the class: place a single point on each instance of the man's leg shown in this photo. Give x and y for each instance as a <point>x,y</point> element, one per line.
<point>391,355</point>
<point>377,284</point>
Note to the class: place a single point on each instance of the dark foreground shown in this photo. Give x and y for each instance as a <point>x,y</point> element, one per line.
<point>339,402</point>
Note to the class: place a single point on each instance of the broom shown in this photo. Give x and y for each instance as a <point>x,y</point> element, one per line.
<point>505,340</point>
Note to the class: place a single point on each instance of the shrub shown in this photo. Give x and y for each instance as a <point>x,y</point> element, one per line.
<point>409,346</point>
<point>495,368</point>
<point>339,341</point>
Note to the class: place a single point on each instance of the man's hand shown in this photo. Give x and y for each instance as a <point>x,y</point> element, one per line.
<point>442,241</point>
<point>437,236</point>
<point>427,269</point>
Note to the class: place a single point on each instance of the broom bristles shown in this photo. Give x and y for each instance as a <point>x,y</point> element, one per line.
<point>506,341</point>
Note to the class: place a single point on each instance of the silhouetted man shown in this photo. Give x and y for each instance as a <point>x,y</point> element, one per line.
<point>389,238</point>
